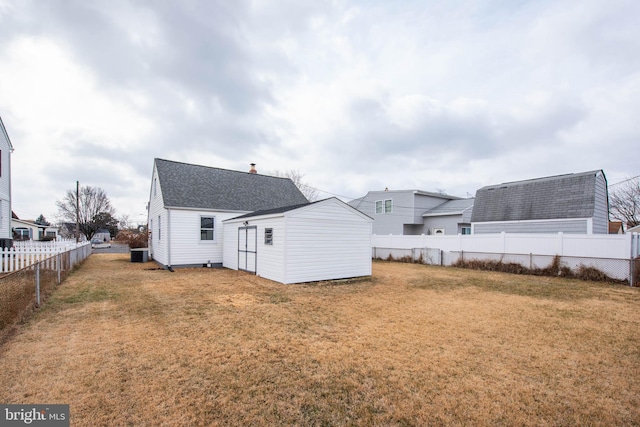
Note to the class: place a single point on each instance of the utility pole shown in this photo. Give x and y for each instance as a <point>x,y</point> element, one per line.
<point>77,211</point>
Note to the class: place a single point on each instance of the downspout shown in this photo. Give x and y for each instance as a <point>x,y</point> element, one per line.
<point>169,240</point>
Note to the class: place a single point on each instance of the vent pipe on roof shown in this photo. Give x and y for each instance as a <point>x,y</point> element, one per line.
<point>253,168</point>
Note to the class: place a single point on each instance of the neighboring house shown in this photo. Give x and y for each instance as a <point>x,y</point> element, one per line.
<point>29,230</point>
<point>616,227</point>
<point>574,203</point>
<point>187,204</point>
<point>6,148</point>
<point>323,240</point>
<point>415,212</point>
<point>451,217</point>
<point>635,229</point>
<point>102,234</point>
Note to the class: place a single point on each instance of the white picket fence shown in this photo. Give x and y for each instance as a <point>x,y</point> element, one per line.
<point>26,253</point>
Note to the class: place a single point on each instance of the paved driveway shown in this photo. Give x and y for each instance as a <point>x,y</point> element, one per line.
<point>116,248</point>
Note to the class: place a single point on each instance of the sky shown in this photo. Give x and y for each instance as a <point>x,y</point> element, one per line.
<point>355,95</point>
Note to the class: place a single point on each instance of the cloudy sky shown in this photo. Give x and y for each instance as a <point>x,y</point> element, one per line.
<point>356,95</point>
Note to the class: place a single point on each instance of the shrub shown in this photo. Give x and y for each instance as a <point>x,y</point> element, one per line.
<point>133,239</point>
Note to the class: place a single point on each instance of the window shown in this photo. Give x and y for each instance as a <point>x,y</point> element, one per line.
<point>207,227</point>
<point>159,227</point>
<point>21,233</point>
<point>466,230</point>
<point>268,236</point>
<point>155,187</point>
<point>0,162</point>
<point>384,206</point>
<point>437,231</point>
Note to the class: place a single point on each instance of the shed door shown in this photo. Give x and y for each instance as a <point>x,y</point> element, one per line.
<point>247,248</point>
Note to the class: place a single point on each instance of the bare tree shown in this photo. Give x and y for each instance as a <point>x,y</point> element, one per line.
<point>94,204</point>
<point>624,202</point>
<point>294,175</point>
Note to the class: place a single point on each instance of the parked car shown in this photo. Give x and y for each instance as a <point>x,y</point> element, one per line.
<point>98,243</point>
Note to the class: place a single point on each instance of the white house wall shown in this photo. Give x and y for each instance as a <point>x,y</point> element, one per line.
<point>270,258</point>
<point>157,246</point>
<point>186,247</point>
<point>5,189</point>
<point>327,241</point>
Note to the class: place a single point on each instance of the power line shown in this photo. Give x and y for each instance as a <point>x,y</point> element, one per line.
<point>626,180</point>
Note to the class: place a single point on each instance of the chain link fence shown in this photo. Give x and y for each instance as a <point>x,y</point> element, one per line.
<point>618,270</point>
<point>24,290</point>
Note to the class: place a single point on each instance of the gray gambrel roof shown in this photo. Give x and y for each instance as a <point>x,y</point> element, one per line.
<point>554,197</point>
<point>185,185</point>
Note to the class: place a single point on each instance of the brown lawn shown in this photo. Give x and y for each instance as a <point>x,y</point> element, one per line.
<point>127,344</point>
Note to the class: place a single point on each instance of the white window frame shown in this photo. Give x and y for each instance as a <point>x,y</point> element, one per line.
<point>438,230</point>
<point>463,228</point>
<point>268,236</point>
<point>212,229</point>
<point>384,206</point>
<point>159,228</point>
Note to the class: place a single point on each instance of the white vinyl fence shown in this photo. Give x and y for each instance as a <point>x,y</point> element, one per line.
<point>26,253</point>
<point>612,254</point>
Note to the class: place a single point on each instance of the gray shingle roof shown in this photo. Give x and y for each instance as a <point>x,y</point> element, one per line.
<point>202,187</point>
<point>451,207</point>
<point>562,196</point>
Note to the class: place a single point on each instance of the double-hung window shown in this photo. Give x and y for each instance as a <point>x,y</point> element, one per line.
<point>207,228</point>
<point>384,206</point>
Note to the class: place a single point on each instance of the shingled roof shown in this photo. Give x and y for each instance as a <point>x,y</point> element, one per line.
<point>554,197</point>
<point>201,187</point>
<point>450,207</point>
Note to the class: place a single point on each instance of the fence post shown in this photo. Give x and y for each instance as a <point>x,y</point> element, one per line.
<point>58,261</point>
<point>38,284</point>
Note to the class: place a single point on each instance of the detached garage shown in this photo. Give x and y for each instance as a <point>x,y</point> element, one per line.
<point>324,240</point>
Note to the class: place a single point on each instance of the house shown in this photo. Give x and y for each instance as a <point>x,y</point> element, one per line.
<point>323,240</point>
<point>6,148</point>
<point>573,203</point>
<point>415,212</point>
<point>451,217</point>
<point>29,230</point>
<point>635,229</point>
<point>188,204</point>
<point>616,227</point>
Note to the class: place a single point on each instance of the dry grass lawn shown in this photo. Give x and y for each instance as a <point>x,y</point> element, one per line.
<point>127,344</point>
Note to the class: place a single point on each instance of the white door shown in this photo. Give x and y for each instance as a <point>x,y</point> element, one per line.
<point>247,248</point>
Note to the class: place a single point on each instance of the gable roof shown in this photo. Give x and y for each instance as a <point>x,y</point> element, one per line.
<point>284,209</point>
<point>185,185</point>
<point>553,197</point>
<point>451,207</point>
<point>6,135</point>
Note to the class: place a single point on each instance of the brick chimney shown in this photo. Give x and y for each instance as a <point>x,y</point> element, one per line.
<point>253,168</point>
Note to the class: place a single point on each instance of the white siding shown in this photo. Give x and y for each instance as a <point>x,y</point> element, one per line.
<point>186,246</point>
<point>5,189</point>
<point>327,241</point>
<point>230,247</point>
<point>157,247</point>
<point>323,241</point>
<point>271,258</point>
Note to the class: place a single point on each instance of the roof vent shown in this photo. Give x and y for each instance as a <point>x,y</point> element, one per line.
<point>253,168</point>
